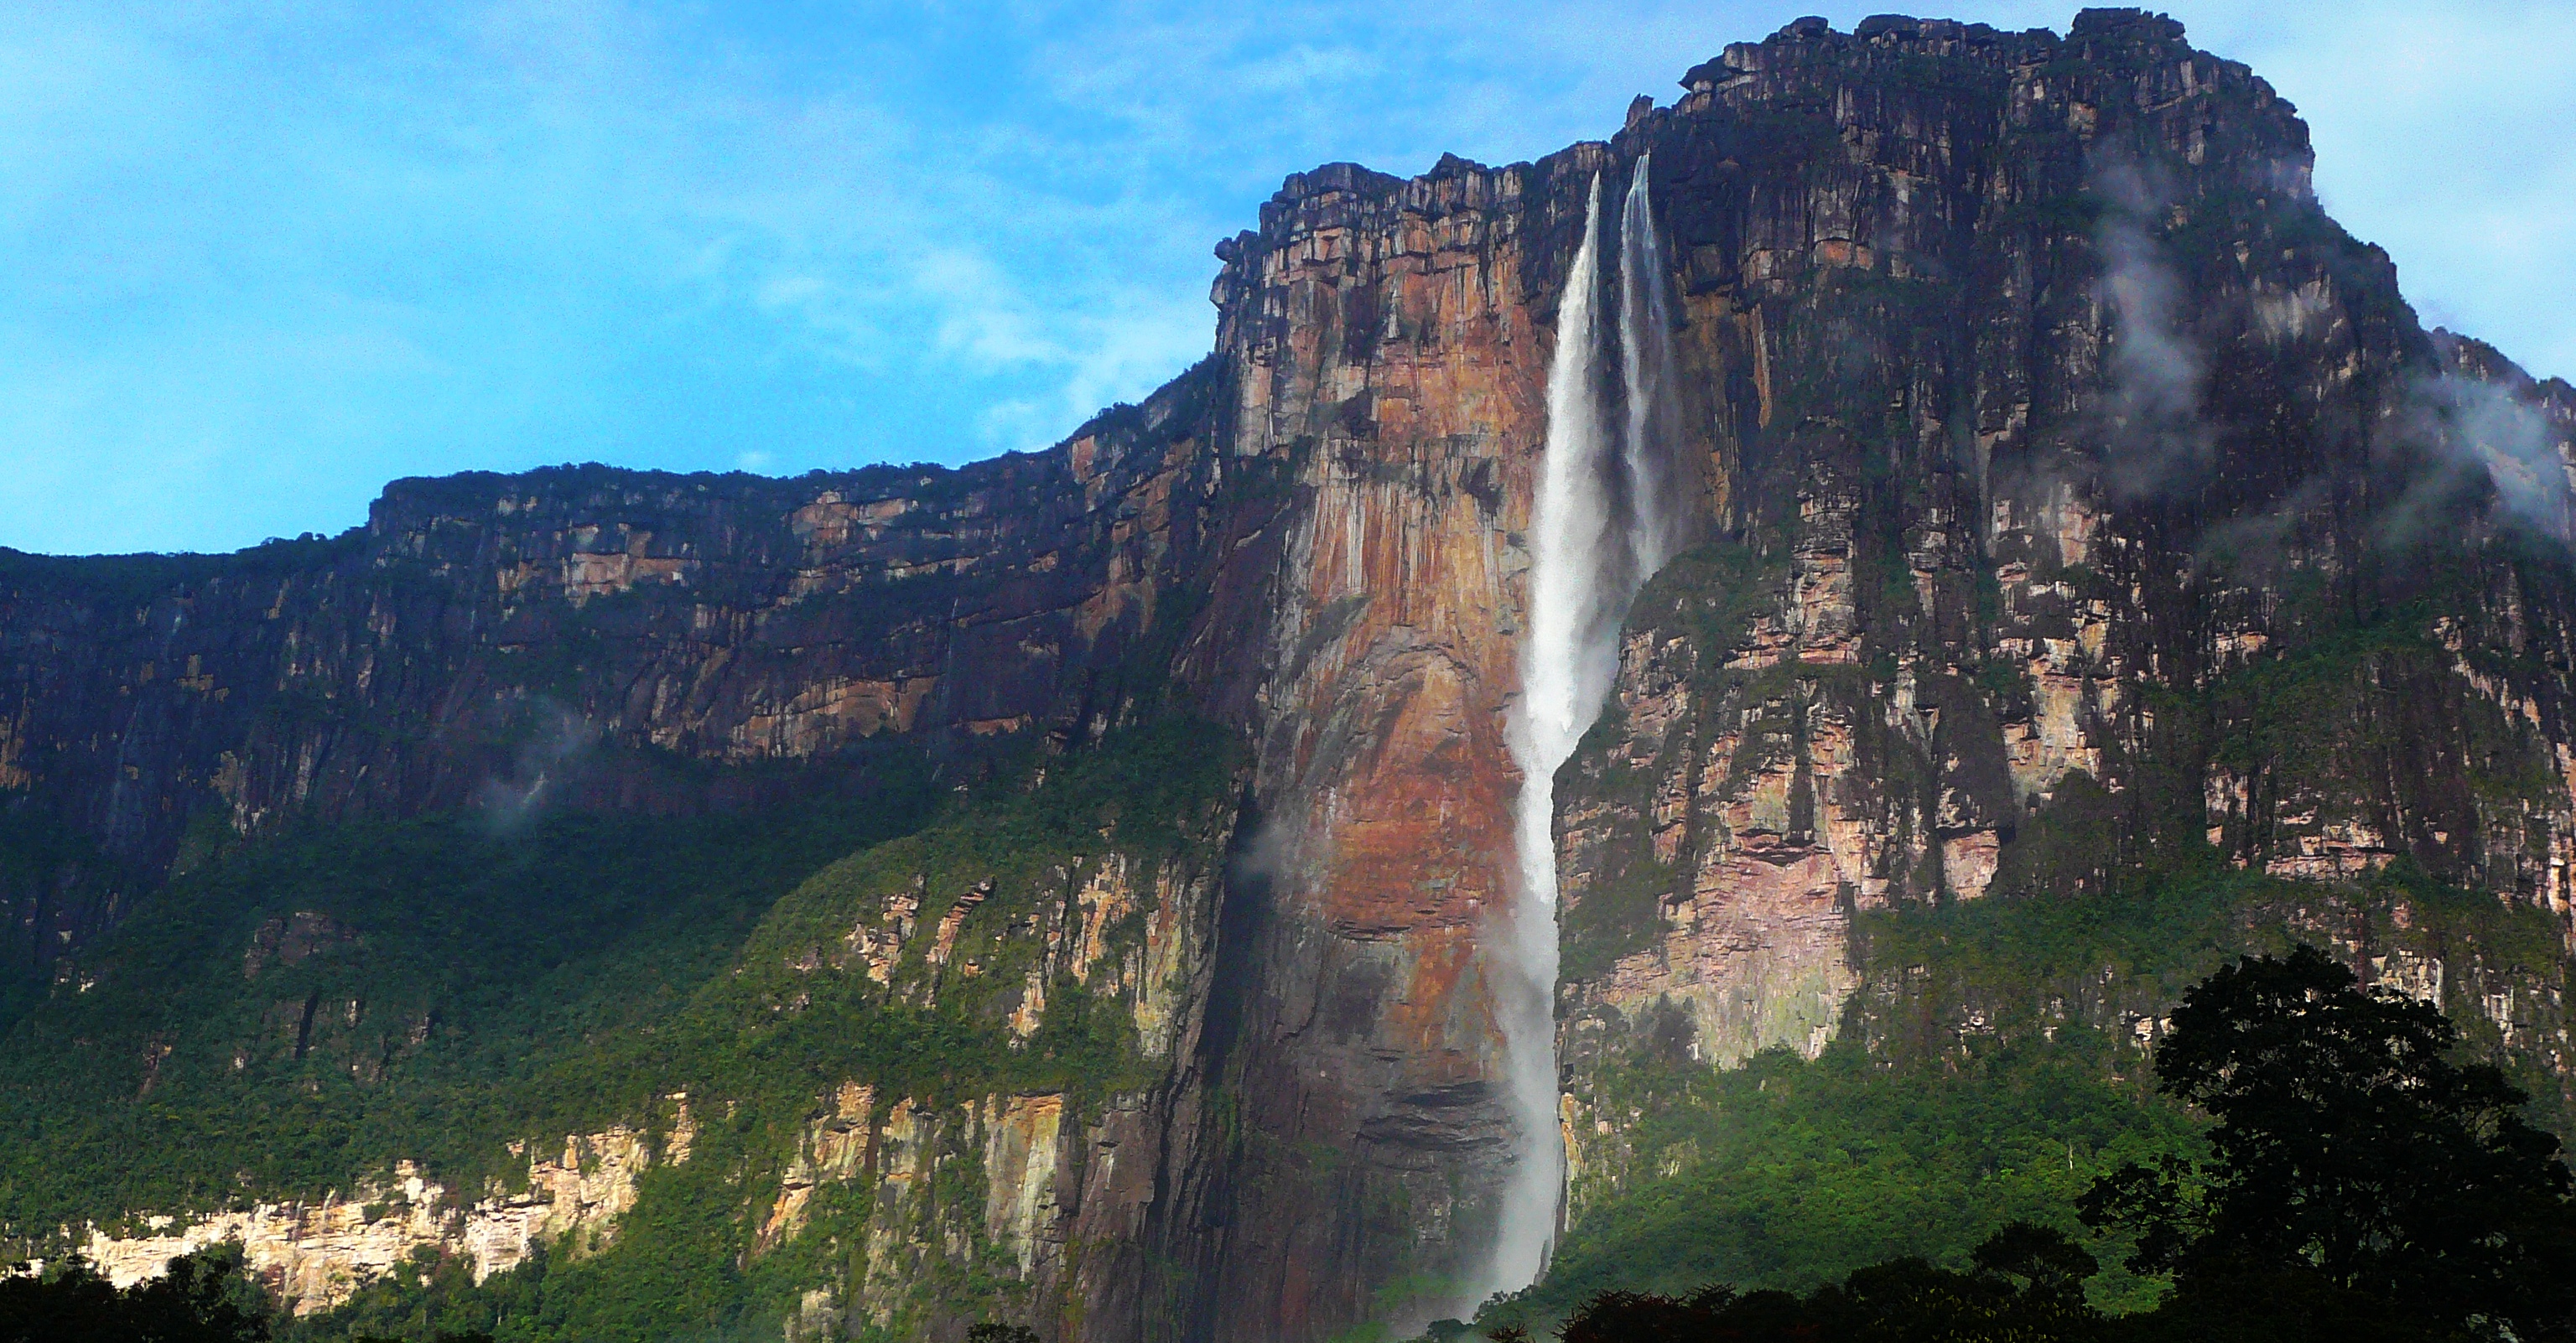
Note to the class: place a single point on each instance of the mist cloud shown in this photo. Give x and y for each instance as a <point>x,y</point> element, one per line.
<point>2481,427</point>
<point>2150,409</point>
<point>538,770</point>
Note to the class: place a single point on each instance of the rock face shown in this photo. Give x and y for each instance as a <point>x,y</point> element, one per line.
<point>1386,349</point>
<point>2068,443</point>
<point>314,1255</point>
<point>2081,497</point>
<point>502,641</point>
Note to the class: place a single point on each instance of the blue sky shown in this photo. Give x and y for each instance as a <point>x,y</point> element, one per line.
<point>255,260</point>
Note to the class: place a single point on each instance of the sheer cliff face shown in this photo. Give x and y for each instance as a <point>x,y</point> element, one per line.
<point>2077,498</point>
<point>584,634</point>
<point>2097,506</point>
<point>2036,396</point>
<point>1386,347</point>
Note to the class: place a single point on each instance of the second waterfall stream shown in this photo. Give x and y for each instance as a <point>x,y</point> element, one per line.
<point>1611,507</point>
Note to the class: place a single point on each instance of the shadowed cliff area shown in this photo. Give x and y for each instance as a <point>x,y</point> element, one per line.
<point>1061,892</point>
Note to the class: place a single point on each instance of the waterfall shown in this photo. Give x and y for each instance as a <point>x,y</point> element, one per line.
<point>1561,669</point>
<point>1658,491</point>
<point>1609,510</point>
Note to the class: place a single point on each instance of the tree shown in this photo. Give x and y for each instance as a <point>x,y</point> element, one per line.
<point>2358,1174</point>
<point>2027,1287</point>
<point>68,1300</point>
<point>202,1298</point>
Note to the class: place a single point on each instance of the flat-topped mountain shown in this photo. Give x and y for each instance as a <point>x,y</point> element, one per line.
<point>1082,888</point>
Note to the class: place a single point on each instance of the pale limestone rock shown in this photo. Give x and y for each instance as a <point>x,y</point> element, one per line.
<point>314,1255</point>
<point>1020,1142</point>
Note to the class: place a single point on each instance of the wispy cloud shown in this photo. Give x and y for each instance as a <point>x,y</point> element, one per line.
<point>2151,407</point>
<point>2440,134</point>
<point>254,259</point>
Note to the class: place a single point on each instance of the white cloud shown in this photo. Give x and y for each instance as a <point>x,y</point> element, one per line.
<point>536,229</point>
<point>2440,134</point>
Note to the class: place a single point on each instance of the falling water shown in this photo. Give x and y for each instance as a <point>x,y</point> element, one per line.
<point>1607,514</point>
<point>1657,493</point>
<point>1562,681</point>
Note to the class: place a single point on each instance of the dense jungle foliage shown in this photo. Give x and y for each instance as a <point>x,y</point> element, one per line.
<point>1988,1071</point>
<point>297,1016</point>
<point>204,1298</point>
<point>327,1004</point>
<point>2363,1182</point>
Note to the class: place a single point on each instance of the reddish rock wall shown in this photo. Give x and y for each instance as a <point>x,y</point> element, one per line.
<point>2047,421</point>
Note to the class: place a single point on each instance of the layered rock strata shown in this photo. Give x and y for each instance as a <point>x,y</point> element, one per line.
<point>582,635</point>
<point>2067,468</point>
<point>313,1256</point>
<point>2082,475</point>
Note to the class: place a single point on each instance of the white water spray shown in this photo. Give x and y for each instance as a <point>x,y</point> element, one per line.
<point>1658,490</point>
<point>1607,514</point>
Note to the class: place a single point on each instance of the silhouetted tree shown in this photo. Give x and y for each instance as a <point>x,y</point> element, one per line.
<point>2027,1287</point>
<point>1647,1317</point>
<point>69,1300</point>
<point>2362,1183</point>
<point>201,1299</point>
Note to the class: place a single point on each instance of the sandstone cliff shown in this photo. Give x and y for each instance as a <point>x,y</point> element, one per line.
<point>2075,500</point>
<point>497,641</point>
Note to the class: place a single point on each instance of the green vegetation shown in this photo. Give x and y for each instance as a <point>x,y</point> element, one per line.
<point>295,1016</point>
<point>795,1016</point>
<point>2033,966</point>
<point>204,1298</point>
<point>310,1010</point>
<point>1792,1173</point>
<point>1988,1070</point>
<point>2026,1286</point>
<point>2363,1183</point>
<point>135,580</point>
<point>2356,1167</point>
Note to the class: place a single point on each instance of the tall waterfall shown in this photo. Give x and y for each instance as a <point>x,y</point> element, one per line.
<point>1658,490</point>
<point>1608,512</point>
